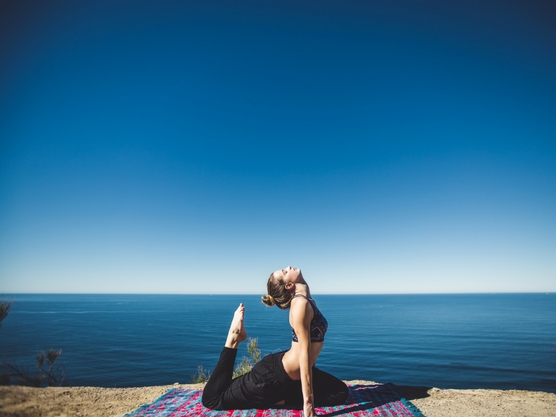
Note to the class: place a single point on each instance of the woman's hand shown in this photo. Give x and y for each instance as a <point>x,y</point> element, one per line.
<point>309,407</point>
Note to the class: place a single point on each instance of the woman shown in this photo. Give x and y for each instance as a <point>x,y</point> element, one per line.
<point>285,379</point>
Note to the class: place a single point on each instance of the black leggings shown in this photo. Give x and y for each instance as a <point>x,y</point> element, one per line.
<point>266,384</point>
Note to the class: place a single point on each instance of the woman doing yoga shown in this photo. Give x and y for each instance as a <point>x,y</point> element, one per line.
<point>285,379</point>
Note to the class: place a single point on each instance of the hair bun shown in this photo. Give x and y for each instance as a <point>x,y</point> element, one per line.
<point>268,300</point>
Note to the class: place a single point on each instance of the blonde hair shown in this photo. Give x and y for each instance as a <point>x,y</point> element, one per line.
<point>278,295</point>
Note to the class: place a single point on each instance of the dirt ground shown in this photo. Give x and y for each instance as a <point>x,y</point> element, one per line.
<point>115,402</point>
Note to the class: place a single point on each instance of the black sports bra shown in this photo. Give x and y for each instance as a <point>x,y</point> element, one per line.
<point>319,325</point>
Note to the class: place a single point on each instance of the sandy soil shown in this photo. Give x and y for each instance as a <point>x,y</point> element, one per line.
<point>115,402</point>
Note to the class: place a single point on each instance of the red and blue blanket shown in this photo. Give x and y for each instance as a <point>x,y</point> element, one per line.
<point>363,401</point>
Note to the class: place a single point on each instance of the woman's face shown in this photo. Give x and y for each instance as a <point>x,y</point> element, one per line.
<point>289,275</point>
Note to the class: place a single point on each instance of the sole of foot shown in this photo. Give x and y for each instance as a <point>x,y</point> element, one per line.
<point>237,333</point>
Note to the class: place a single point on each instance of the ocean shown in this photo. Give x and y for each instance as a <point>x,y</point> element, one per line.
<point>502,341</point>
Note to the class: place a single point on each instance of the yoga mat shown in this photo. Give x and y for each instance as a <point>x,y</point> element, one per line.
<point>363,401</point>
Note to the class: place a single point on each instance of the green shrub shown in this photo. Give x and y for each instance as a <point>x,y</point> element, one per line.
<point>201,376</point>
<point>247,363</point>
<point>5,307</point>
<point>47,373</point>
<point>244,366</point>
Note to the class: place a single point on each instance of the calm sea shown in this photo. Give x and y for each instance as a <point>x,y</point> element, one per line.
<point>448,341</point>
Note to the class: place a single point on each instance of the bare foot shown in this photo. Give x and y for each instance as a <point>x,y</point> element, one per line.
<point>237,333</point>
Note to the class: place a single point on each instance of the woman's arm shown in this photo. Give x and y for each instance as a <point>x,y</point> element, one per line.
<point>301,316</point>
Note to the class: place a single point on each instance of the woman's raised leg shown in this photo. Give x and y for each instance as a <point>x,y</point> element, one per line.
<point>221,376</point>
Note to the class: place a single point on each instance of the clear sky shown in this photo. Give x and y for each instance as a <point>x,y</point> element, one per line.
<point>195,146</point>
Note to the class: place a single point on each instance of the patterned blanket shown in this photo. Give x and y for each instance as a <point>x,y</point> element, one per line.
<point>363,401</point>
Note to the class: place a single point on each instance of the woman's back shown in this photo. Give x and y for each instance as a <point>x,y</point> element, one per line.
<point>302,311</point>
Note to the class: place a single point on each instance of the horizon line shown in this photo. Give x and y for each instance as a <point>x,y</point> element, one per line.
<point>251,294</point>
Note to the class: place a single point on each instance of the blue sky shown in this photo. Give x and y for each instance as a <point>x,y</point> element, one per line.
<point>196,146</point>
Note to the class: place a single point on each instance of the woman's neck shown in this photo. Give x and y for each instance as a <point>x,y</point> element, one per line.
<point>302,289</point>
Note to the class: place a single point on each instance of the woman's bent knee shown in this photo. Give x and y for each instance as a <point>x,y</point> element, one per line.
<point>343,394</point>
<point>209,402</point>
<point>340,396</point>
